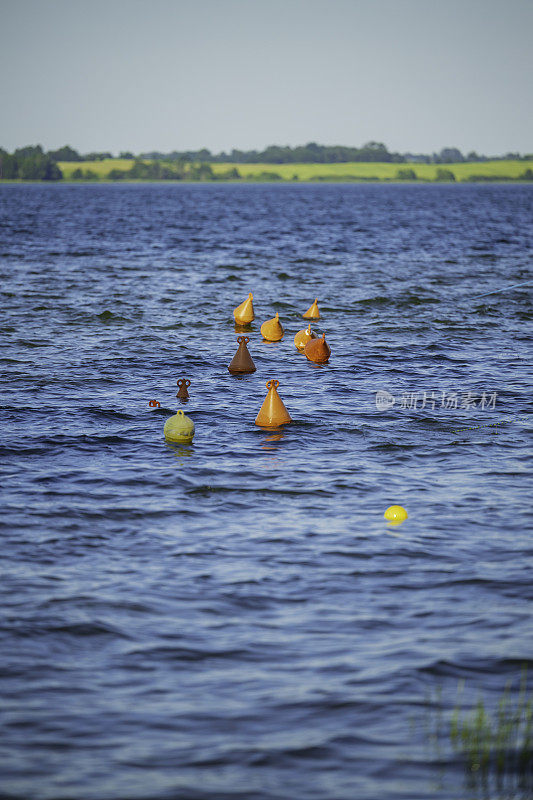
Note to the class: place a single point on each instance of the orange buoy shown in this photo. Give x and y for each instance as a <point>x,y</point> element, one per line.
<point>272,413</point>
<point>244,313</point>
<point>242,363</point>
<point>302,337</point>
<point>183,383</point>
<point>312,312</point>
<point>317,350</point>
<point>272,329</point>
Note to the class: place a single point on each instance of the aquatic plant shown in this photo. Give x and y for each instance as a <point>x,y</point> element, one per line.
<point>496,744</point>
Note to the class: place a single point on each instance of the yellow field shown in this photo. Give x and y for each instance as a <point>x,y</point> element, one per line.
<point>349,171</point>
<point>305,172</point>
<point>100,167</point>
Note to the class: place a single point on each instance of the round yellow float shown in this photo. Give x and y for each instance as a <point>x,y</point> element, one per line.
<point>395,514</point>
<point>179,429</point>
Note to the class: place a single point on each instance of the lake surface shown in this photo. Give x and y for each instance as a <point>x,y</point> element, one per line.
<point>235,618</point>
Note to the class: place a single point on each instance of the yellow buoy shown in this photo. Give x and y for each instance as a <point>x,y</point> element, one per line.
<point>312,312</point>
<point>317,350</point>
<point>179,429</point>
<point>272,330</point>
<point>273,412</point>
<point>302,337</point>
<point>244,313</point>
<point>395,514</point>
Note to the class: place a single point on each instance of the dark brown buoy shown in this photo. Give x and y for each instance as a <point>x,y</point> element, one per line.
<point>317,350</point>
<point>242,363</point>
<point>183,383</point>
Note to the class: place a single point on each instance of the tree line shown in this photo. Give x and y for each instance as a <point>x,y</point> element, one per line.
<point>29,163</point>
<point>311,153</point>
<point>314,153</point>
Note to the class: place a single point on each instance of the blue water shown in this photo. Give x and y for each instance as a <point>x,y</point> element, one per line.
<point>235,618</point>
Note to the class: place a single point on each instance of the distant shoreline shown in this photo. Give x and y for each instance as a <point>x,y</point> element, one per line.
<point>311,163</point>
<point>176,184</point>
<point>255,182</point>
<point>127,170</point>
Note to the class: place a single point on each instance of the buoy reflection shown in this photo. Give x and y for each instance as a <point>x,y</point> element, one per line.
<point>181,451</point>
<point>270,442</point>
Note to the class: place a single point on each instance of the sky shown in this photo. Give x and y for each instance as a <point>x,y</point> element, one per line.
<point>141,75</point>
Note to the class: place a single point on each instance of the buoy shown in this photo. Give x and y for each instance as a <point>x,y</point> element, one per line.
<point>395,514</point>
<point>272,329</point>
<point>179,429</point>
<point>317,350</point>
<point>272,413</point>
<point>241,363</point>
<point>183,383</point>
<point>302,337</point>
<point>157,408</point>
<point>244,314</point>
<point>312,312</point>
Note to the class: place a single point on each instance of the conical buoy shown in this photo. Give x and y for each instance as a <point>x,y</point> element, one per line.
<point>183,383</point>
<point>242,363</point>
<point>312,312</point>
<point>272,413</point>
<point>317,350</point>
<point>272,329</point>
<point>179,429</point>
<point>302,337</point>
<point>244,314</point>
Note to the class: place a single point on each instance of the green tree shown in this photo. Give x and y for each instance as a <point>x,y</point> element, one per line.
<point>201,172</point>
<point>30,151</point>
<point>29,163</point>
<point>65,153</point>
<point>406,175</point>
<point>450,155</point>
<point>39,167</point>
<point>8,166</point>
<point>444,175</point>
<point>96,156</point>
<point>269,176</point>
